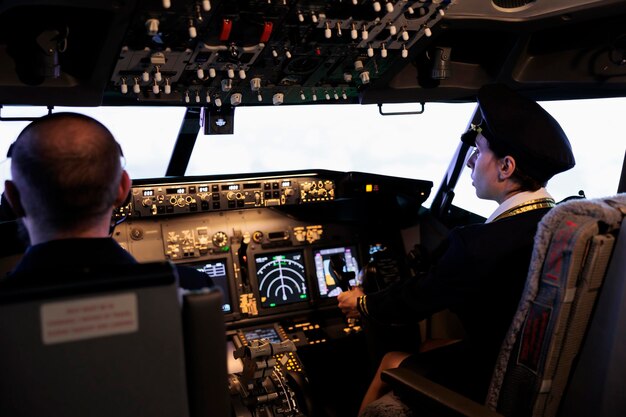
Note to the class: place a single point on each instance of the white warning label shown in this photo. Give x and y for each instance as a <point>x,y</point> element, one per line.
<point>89,318</point>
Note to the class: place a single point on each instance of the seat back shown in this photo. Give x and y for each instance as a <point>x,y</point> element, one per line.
<point>573,247</point>
<point>205,352</point>
<point>99,344</point>
<point>597,385</point>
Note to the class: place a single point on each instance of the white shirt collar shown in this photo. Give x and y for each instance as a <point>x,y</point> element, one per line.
<point>518,199</point>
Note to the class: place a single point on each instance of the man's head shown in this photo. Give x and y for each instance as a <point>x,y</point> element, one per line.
<point>520,132</point>
<point>66,173</point>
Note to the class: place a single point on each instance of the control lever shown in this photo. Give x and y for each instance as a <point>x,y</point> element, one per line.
<point>258,357</point>
<point>262,387</point>
<point>243,265</point>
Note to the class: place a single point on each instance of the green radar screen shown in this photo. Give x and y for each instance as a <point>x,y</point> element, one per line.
<point>281,278</point>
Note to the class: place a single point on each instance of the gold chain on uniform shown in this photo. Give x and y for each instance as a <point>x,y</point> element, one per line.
<point>527,206</point>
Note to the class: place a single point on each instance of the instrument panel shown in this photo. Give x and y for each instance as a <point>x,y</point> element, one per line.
<point>264,260</point>
<point>278,245</point>
<point>231,53</point>
<point>158,199</point>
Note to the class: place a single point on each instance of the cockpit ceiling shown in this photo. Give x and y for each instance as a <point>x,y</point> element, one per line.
<point>272,52</point>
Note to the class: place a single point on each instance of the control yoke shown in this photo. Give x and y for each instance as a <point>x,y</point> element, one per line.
<point>336,268</point>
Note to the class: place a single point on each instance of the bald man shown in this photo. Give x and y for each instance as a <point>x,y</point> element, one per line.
<point>67,178</point>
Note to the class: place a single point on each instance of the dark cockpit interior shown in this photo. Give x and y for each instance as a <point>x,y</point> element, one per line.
<point>281,245</point>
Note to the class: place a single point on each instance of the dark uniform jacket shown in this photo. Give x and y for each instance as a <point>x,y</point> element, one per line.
<point>480,277</point>
<point>46,258</point>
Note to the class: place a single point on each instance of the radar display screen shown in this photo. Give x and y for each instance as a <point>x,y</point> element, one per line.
<point>281,278</point>
<point>336,270</point>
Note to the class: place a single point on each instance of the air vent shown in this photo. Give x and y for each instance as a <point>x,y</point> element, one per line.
<point>512,4</point>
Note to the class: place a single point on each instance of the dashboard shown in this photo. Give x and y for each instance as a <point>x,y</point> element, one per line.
<point>281,246</point>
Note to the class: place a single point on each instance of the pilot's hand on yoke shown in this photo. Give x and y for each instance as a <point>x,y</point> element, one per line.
<point>347,302</point>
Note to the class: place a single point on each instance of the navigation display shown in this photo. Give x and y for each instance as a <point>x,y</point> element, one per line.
<point>282,278</point>
<point>216,269</point>
<point>336,270</point>
<point>261,333</point>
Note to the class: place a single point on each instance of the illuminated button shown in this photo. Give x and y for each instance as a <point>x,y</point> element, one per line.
<point>257,236</point>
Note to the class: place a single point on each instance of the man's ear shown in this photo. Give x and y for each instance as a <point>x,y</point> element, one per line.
<point>506,167</point>
<point>11,196</point>
<point>123,193</point>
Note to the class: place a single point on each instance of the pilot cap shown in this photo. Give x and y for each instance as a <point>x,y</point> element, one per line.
<point>517,126</point>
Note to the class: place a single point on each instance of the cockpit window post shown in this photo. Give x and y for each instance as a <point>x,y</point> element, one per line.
<point>185,142</point>
<point>445,194</point>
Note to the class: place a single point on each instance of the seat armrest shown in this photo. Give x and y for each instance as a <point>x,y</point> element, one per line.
<point>414,389</point>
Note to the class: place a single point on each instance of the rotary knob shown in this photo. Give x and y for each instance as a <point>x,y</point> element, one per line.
<point>136,233</point>
<point>257,236</point>
<point>220,239</point>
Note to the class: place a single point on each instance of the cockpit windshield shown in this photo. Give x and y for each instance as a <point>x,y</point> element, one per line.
<point>348,138</point>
